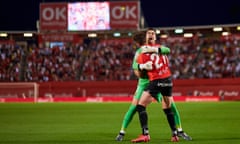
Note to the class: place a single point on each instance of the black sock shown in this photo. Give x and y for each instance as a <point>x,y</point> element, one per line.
<point>143,119</point>
<point>170,118</point>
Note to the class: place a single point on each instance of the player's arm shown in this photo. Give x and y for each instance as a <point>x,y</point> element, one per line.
<point>145,66</point>
<point>140,69</point>
<point>160,50</point>
<point>140,64</point>
<point>137,73</point>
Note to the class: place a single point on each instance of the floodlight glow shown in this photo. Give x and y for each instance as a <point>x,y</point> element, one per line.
<point>27,34</point>
<point>164,36</point>
<point>158,31</point>
<point>178,31</point>
<point>225,33</point>
<point>217,29</point>
<point>3,34</point>
<point>92,35</point>
<point>188,35</point>
<point>117,34</point>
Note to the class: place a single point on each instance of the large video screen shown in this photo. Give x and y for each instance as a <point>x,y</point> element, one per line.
<point>88,16</point>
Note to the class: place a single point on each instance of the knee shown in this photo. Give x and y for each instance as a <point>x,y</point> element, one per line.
<point>168,111</point>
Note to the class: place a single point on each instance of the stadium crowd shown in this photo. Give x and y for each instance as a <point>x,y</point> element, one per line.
<point>190,58</point>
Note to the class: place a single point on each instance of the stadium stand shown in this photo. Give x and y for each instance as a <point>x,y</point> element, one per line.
<point>105,60</point>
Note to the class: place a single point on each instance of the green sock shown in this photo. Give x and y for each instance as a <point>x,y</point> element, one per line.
<point>176,116</point>
<point>159,97</point>
<point>128,117</point>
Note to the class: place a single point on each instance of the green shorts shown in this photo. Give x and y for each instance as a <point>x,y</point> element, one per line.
<point>139,90</point>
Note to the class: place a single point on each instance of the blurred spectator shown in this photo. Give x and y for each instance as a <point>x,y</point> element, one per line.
<point>106,60</point>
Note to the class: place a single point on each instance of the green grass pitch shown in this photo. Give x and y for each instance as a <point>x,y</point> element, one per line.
<point>99,123</point>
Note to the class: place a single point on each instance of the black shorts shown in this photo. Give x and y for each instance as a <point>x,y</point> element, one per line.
<point>163,86</point>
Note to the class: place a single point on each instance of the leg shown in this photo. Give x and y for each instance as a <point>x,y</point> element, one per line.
<point>129,116</point>
<point>176,115</point>
<point>174,110</point>
<point>145,100</point>
<point>143,117</point>
<point>131,112</point>
<point>177,119</point>
<point>166,104</point>
<point>127,119</point>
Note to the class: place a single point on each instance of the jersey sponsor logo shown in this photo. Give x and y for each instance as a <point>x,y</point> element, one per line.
<point>164,84</point>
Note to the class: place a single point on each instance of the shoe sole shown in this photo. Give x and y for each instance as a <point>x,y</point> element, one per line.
<point>140,141</point>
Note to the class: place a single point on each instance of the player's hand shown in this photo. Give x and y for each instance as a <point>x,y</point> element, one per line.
<point>149,49</point>
<point>146,66</point>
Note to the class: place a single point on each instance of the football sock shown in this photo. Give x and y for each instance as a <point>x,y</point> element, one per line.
<point>128,117</point>
<point>175,111</point>
<point>159,97</point>
<point>143,117</point>
<point>170,118</point>
<point>176,116</point>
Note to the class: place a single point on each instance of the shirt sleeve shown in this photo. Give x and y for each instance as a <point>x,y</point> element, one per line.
<point>134,63</point>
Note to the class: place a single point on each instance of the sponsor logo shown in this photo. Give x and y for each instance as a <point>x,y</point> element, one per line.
<point>53,16</point>
<point>228,93</point>
<point>124,14</point>
<point>203,93</point>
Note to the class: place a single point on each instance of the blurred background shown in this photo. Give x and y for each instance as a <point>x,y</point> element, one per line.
<point>83,49</point>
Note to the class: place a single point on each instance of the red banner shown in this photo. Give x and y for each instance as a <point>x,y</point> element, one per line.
<point>102,99</point>
<point>7,42</point>
<point>183,90</point>
<point>124,15</point>
<point>207,87</point>
<point>53,16</point>
<point>59,38</point>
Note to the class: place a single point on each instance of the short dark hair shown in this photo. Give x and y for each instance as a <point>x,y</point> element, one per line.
<point>150,28</point>
<point>140,38</point>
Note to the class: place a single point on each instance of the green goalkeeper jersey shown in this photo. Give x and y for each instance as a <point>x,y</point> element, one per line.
<point>141,81</point>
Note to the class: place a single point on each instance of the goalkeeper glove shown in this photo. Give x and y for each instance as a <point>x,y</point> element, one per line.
<point>146,66</point>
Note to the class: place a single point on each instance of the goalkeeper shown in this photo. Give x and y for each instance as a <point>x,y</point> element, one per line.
<point>140,72</point>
